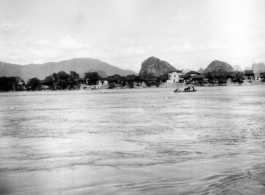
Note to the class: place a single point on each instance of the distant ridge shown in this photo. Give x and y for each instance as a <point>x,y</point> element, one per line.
<point>248,68</point>
<point>200,70</point>
<point>237,68</point>
<point>258,68</point>
<point>186,70</point>
<point>80,65</point>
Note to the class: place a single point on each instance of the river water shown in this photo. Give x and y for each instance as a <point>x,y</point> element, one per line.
<point>133,141</point>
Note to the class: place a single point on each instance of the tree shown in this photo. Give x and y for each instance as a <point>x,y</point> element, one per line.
<point>73,79</point>
<point>210,78</point>
<point>48,81</point>
<point>164,78</point>
<point>158,81</point>
<point>130,80</point>
<point>222,79</point>
<point>34,84</point>
<point>238,78</point>
<point>62,78</point>
<point>91,78</point>
<point>56,81</point>
<point>9,83</point>
<point>262,76</point>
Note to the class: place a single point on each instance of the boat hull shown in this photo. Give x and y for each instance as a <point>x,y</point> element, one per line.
<point>184,91</point>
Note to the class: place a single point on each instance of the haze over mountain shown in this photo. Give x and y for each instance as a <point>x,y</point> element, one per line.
<point>186,70</point>
<point>237,68</point>
<point>217,65</point>
<point>248,68</point>
<point>155,67</point>
<point>80,65</point>
<point>258,68</point>
<point>200,70</point>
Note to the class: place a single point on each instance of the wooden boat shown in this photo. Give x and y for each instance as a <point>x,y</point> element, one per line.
<point>190,91</point>
<point>184,91</point>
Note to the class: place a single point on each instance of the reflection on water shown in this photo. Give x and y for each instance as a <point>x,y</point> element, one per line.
<point>139,141</point>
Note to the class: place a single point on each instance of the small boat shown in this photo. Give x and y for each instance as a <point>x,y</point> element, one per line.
<point>190,91</point>
<point>177,91</point>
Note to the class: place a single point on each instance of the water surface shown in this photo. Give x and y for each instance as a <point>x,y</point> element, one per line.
<point>133,141</point>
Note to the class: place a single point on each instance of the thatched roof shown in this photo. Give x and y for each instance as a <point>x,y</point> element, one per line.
<point>248,72</point>
<point>197,77</point>
<point>193,72</point>
<point>185,76</point>
<point>114,78</point>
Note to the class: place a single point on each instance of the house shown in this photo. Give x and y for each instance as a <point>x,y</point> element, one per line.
<point>138,80</point>
<point>193,73</point>
<point>184,78</point>
<point>115,79</point>
<point>188,76</point>
<point>150,81</point>
<point>174,76</point>
<point>249,74</point>
<point>198,79</point>
<point>102,81</point>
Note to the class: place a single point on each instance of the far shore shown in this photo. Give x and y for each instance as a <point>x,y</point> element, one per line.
<point>162,86</point>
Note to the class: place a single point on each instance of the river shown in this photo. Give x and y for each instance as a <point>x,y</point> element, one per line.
<point>133,141</point>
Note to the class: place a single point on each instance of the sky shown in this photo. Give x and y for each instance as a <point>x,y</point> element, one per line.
<point>189,34</point>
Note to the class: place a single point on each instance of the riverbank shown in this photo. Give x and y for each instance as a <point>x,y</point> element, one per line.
<point>163,85</point>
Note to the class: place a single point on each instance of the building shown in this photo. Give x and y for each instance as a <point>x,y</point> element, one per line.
<point>174,76</point>
<point>249,74</point>
<point>193,73</point>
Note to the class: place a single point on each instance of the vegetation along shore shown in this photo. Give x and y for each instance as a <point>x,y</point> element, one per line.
<point>154,73</point>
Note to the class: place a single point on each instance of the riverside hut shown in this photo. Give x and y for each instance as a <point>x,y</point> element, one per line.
<point>249,75</point>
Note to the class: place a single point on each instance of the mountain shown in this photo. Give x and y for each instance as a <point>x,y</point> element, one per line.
<point>248,68</point>
<point>258,68</point>
<point>186,70</point>
<point>80,65</point>
<point>200,70</point>
<point>155,67</point>
<point>216,66</point>
<point>237,68</point>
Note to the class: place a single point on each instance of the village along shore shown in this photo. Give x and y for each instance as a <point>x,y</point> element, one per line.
<point>92,81</point>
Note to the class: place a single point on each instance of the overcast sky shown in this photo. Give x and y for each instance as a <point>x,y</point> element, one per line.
<point>187,34</point>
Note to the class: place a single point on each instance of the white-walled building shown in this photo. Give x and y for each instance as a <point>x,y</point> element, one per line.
<point>173,77</point>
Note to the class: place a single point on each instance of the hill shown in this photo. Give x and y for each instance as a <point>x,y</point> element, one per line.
<point>258,68</point>
<point>155,67</point>
<point>80,65</point>
<point>186,70</point>
<point>216,66</point>
<point>248,68</point>
<point>237,68</point>
<point>200,70</point>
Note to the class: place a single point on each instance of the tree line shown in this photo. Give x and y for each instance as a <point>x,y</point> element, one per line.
<point>56,81</point>
<point>63,80</point>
